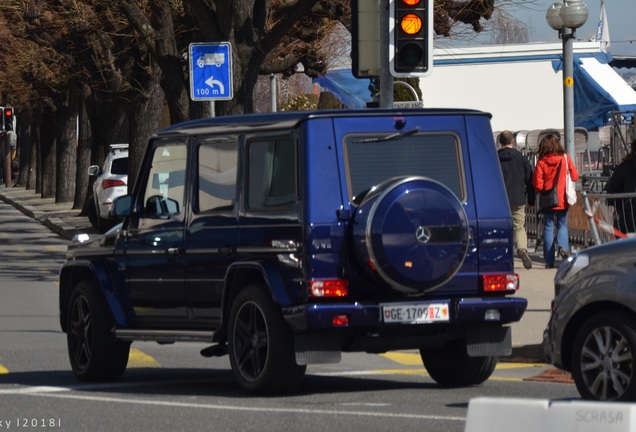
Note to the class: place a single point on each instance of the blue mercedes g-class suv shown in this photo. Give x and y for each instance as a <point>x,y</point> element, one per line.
<point>285,239</point>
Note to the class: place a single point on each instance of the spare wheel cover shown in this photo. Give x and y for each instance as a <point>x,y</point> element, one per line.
<point>416,234</point>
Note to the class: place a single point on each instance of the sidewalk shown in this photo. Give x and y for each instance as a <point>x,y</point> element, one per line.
<point>536,284</point>
<point>61,218</point>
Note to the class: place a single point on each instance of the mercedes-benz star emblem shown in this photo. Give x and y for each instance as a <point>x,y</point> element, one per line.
<point>423,234</point>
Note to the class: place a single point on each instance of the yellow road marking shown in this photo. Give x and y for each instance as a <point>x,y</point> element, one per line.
<point>407,359</point>
<point>423,372</point>
<point>412,359</point>
<point>506,365</point>
<point>139,359</point>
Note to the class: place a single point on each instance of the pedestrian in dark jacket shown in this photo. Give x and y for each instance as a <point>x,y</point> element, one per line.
<point>623,180</point>
<point>551,156</point>
<point>517,174</point>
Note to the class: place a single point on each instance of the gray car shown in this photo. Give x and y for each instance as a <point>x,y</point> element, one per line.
<point>592,328</point>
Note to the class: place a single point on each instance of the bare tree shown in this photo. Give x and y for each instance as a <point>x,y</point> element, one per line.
<point>118,61</point>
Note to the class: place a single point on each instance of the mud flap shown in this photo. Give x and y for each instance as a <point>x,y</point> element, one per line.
<point>489,340</point>
<point>317,348</point>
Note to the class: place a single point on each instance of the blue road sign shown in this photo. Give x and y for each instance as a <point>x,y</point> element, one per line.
<point>211,71</point>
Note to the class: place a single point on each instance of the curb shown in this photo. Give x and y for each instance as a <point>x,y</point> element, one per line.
<point>525,354</point>
<point>56,225</point>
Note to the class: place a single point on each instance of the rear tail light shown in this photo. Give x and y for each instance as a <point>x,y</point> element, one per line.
<point>112,183</point>
<point>340,321</point>
<point>500,282</point>
<point>329,288</point>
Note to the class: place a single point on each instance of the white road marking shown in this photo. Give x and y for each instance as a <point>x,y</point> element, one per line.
<point>49,392</point>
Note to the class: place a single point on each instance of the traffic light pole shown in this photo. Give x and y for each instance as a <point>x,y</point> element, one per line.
<point>386,79</point>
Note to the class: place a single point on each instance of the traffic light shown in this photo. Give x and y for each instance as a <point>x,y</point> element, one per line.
<point>411,37</point>
<point>365,38</point>
<point>7,118</point>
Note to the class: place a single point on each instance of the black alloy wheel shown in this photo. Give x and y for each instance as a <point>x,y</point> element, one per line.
<point>261,345</point>
<point>93,352</point>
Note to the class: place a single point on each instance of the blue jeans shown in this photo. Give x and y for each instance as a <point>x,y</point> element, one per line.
<point>548,233</point>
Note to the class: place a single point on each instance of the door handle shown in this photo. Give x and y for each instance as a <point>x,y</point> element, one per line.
<point>227,250</point>
<point>173,251</point>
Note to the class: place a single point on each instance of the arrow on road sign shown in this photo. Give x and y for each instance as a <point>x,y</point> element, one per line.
<point>212,82</point>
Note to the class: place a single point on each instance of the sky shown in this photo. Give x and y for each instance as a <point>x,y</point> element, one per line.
<point>621,16</point>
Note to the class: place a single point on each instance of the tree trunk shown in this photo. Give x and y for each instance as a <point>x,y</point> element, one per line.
<point>24,150</point>
<point>48,148</point>
<point>144,115</point>
<point>82,180</point>
<point>67,147</point>
<point>34,180</point>
<point>108,125</point>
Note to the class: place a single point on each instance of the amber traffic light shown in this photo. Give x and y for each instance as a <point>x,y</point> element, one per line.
<point>411,38</point>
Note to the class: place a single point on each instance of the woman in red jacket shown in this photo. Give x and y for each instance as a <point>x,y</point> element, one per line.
<point>551,154</point>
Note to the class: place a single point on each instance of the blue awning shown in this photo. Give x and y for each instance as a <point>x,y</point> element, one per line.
<point>352,92</point>
<point>598,90</point>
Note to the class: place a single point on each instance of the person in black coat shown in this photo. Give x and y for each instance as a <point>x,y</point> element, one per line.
<point>623,180</point>
<point>517,174</point>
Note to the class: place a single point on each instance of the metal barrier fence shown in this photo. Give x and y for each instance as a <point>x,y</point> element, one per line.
<point>595,218</point>
<point>610,216</point>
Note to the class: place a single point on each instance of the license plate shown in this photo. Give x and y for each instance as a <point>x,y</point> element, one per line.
<point>415,313</point>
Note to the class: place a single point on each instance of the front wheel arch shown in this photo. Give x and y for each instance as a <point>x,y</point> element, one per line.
<point>94,353</point>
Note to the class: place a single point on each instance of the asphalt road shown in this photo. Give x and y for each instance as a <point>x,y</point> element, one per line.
<point>174,388</point>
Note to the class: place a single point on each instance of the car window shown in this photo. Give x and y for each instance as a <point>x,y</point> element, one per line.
<point>370,160</point>
<point>119,166</point>
<point>272,174</point>
<point>216,183</point>
<point>165,189</point>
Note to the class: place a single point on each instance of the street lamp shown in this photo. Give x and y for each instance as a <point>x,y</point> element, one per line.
<point>566,17</point>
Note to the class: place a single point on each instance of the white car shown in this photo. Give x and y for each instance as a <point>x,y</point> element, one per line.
<point>111,181</point>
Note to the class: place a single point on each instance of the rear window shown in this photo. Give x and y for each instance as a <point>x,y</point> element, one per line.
<point>119,166</point>
<point>372,160</point>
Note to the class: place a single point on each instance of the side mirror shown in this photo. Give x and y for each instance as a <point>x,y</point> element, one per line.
<point>122,206</point>
<point>93,170</point>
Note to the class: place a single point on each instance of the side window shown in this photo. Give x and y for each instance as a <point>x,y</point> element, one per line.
<point>216,183</point>
<point>119,166</point>
<point>272,178</point>
<point>165,188</point>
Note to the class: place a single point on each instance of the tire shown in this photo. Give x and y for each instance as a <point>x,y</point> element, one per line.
<point>94,353</point>
<point>603,358</point>
<point>411,233</point>
<point>91,212</point>
<point>103,225</point>
<point>261,345</point>
<point>452,367</point>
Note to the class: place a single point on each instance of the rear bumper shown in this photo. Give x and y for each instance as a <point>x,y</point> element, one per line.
<point>369,315</point>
